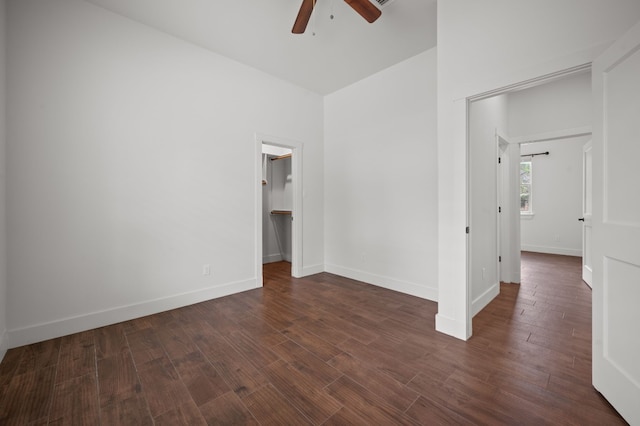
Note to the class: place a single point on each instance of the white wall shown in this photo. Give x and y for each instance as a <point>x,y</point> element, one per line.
<point>3,143</point>
<point>380,178</point>
<point>557,198</point>
<point>484,45</point>
<point>556,106</point>
<point>131,163</point>
<point>485,118</point>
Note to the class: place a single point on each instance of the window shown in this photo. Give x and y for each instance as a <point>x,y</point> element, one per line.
<point>526,206</point>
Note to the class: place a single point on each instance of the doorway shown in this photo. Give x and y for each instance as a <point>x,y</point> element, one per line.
<point>277,204</point>
<point>537,107</point>
<point>547,220</point>
<point>280,215</point>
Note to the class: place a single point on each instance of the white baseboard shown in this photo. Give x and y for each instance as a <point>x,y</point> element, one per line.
<point>4,344</point>
<point>312,270</point>
<point>451,327</point>
<point>552,250</point>
<point>62,327</point>
<point>484,299</point>
<point>429,293</point>
<point>271,258</point>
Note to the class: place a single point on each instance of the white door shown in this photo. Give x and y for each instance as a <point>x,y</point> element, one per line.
<point>587,204</point>
<point>616,225</point>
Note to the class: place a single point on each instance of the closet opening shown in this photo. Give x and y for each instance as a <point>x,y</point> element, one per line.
<point>279,202</point>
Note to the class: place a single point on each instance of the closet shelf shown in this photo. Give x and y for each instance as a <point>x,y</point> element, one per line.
<point>281,212</point>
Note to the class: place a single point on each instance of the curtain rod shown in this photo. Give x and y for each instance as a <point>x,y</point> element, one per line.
<point>533,155</point>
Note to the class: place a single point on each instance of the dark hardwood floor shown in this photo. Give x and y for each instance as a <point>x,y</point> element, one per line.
<point>323,350</point>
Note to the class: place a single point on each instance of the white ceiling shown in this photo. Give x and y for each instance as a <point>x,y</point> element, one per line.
<point>258,33</point>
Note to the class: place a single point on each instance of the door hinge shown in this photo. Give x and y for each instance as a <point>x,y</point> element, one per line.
<point>499,209</point>
<point>499,258</point>
<point>467,230</point>
<point>499,160</point>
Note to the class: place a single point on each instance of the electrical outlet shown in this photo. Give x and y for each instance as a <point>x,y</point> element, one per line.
<point>206,269</point>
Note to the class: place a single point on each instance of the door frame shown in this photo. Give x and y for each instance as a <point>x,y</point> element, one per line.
<point>297,213</point>
<point>587,212</point>
<point>555,135</point>
<point>538,81</point>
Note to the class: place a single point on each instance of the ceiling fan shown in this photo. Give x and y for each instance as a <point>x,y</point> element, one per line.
<point>364,8</point>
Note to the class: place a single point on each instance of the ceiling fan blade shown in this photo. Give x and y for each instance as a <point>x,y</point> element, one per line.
<point>304,14</point>
<point>366,9</point>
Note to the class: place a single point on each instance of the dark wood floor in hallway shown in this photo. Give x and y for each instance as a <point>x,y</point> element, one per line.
<point>323,350</point>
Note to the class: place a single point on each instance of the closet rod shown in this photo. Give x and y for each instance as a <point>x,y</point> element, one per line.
<point>282,157</point>
<point>533,155</point>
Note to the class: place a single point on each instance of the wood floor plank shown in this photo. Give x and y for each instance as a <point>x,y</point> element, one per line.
<point>325,332</point>
<point>10,364</point>
<point>145,347</point>
<point>386,387</point>
<point>302,392</point>
<point>228,306</point>
<point>39,355</point>
<point>118,378</point>
<point>222,322</point>
<point>75,402</point>
<point>507,370</point>
<point>467,396</point>
<point>564,344</point>
<point>472,361</point>
<point>239,374</point>
<point>28,396</point>
<point>227,409</point>
<point>365,404</point>
<point>131,410</point>
<point>428,412</point>
<point>574,386</point>
<point>77,356</point>
<point>269,407</point>
<point>354,331</point>
<point>261,332</point>
<point>306,362</point>
<point>311,342</point>
<point>259,356</point>
<point>403,350</point>
<point>382,361</point>
<point>202,380</point>
<point>176,342</point>
<point>513,406</point>
<point>345,417</point>
<point>186,414</point>
<point>110,340</point>
<point>162,387</point>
